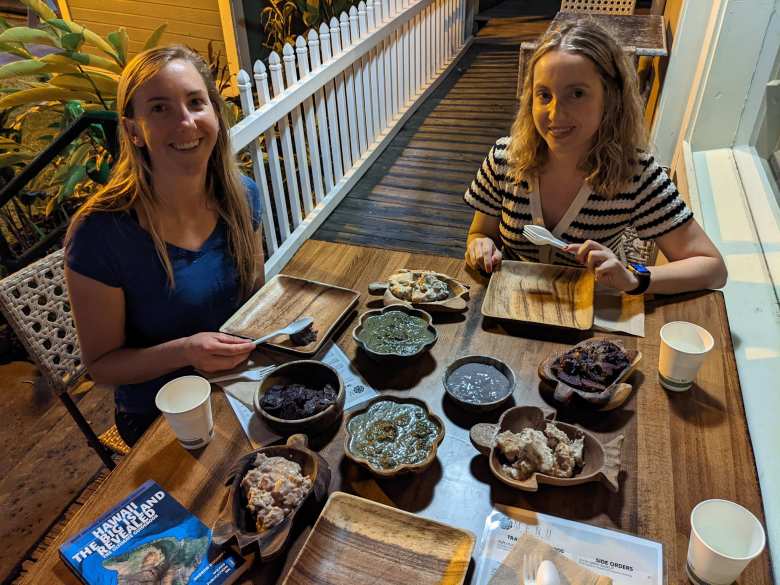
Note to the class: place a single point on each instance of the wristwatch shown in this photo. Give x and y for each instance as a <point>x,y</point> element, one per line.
<point>643,276</point>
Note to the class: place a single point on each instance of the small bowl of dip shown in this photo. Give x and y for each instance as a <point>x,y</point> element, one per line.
<point>479,382</point>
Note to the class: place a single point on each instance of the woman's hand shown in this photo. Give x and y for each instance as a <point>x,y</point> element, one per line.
<point>482,254</point>
<point>212,352</point>
<point>604,264</point>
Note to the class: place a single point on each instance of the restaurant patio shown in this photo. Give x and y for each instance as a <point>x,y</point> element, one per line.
<point>384,192</point>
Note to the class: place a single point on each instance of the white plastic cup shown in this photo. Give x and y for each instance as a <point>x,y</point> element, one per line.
<point>186,404</point>
<point>683,349</point>
<point>725,537</point>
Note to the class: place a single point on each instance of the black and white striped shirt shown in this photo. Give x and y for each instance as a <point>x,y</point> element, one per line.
<point>650,203</point>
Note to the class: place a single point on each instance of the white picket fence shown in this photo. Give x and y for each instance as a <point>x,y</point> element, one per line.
<point>339,97</point>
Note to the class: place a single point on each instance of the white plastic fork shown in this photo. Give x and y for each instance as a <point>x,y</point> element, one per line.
<point>255,374</point>
<point>541,236</point>
<point>531,563</point>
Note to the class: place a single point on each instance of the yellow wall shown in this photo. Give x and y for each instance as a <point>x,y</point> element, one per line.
<point>671,18</point>
<point>191,22</point>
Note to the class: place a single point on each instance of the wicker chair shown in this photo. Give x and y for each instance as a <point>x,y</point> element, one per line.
<point>35,302</point>
<point>599,6</point>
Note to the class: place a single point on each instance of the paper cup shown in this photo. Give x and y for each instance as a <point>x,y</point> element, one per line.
<point>725,537</point>
<point>186,404</point>
<point>683,349</point>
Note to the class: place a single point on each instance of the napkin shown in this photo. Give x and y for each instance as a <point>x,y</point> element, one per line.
<point>510,572</point>
<point>615,311</point>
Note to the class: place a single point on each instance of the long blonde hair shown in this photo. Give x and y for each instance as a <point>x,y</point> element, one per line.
<point>130,185</point>
<point>611,160</point>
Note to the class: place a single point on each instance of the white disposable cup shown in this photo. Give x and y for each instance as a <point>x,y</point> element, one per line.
<point>186,404</point>
<point>725,537</point>
<point>683,349</point>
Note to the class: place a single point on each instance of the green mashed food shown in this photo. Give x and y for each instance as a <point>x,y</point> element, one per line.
<point>395,332</point>
<point>390,434</point>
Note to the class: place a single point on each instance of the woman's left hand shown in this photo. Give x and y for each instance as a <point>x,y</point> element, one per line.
<point>606,267</point>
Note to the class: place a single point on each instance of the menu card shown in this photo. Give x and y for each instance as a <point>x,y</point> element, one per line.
<point>356,389</point>
<point>626,559</point>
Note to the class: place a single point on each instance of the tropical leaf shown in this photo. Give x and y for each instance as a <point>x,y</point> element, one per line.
<point>72,41</point>
<point>92,38</point>
<point>76,174</point>
<point>83,59</point>
<point>44,94</point>
<point>20,68</point>
<point>119,41</point>
<point>8,144</point>
<point>80,154</point>
<point>25,34</point>
<point>154,38</point>
<point>105,85</point>
<point>311,13</point>
<point>4,24</point>
<point>8,159</point>
<point>16,49</point>
<point>40,7</point>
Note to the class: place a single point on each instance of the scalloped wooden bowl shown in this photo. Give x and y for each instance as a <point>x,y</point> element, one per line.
<point>404,467</point>
<point>601,461</point>
<point>608,399</point>
<point>383,356</point>
<point>236,525</point>
<point>457,301</point>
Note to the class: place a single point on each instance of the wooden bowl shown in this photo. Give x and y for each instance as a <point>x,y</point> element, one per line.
<point>403,467</point>
<point>313,374</point>
<point>394,356</point>
<point>476,406</point>
<point>455,302</point>
<point>608,399</point>
<point>236,525</point>
<point>601,461</point>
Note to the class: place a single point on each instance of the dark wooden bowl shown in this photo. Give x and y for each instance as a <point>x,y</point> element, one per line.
<point>313,374</point>
<point>608,399</point>
<point>235,525</point>
<point>403,467</point>
<point>601,461</point>
<point>482,359</point>
<point>394,356</point>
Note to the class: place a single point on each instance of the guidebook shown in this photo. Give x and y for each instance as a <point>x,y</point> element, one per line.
<point>625,558</point>
<point>150,538</point>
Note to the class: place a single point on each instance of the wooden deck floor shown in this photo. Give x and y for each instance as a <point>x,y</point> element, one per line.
<point>412,197</point>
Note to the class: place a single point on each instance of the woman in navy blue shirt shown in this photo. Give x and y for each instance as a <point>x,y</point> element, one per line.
<point>170,248</point>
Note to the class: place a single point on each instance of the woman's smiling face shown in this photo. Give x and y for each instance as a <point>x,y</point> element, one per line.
<point>174,119</point>
<point>568,102</point>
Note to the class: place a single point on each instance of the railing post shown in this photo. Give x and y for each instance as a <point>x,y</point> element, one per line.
<point>329,157</point>
<point>302,56</point>
<point>347,128</point>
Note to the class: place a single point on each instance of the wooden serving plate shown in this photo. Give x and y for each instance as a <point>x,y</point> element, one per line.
<point>610,398</point>
<point>284,299</point>
<point>361,542</point>
<point>530,292</point>
<point>235,524</point>
<point>459,293</point>
<point>403,467</point>
<point>601,461</point>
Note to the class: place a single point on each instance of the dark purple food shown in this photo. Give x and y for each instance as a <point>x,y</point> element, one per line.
<point>304,337</point>
<point>296,401</point>
<point>592,368</point>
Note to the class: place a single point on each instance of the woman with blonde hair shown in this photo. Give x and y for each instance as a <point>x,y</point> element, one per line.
<point>158,259</point>
<point>576,163</point>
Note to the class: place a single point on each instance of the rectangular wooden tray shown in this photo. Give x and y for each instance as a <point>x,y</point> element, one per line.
<point>284,299</point>
<point>361,542</point>
<point>541,293</point>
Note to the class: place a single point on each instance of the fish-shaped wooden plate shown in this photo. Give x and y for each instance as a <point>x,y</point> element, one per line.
<point>455,302</point>
<point>608,399</point>
<point>601,461</point>
<point>236,525</point>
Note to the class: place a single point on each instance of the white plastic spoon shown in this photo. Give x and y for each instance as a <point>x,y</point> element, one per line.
<point>291,329</point>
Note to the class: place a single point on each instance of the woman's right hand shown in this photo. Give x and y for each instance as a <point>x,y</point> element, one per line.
<point>482,254</point>
<point>212,352</point>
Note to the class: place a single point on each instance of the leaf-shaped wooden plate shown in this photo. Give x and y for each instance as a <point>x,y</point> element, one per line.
<point>236,525</point>
<point>455,302</point>
<point>601,461</point>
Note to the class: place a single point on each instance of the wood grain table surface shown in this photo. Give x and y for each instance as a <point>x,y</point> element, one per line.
<point>679,449</point>
<point>641,34</point>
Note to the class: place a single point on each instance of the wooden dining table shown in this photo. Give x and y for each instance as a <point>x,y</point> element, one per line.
<point>679,448</point>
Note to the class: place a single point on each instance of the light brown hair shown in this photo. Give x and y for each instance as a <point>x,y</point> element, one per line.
<point>611,160</point>
<point>130,185</point>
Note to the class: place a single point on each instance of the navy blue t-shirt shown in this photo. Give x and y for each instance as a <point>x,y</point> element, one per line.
<point>114,249</point>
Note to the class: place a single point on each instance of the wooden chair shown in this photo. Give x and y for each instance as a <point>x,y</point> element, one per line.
<point>599,6</point>
<point>35,302</point>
